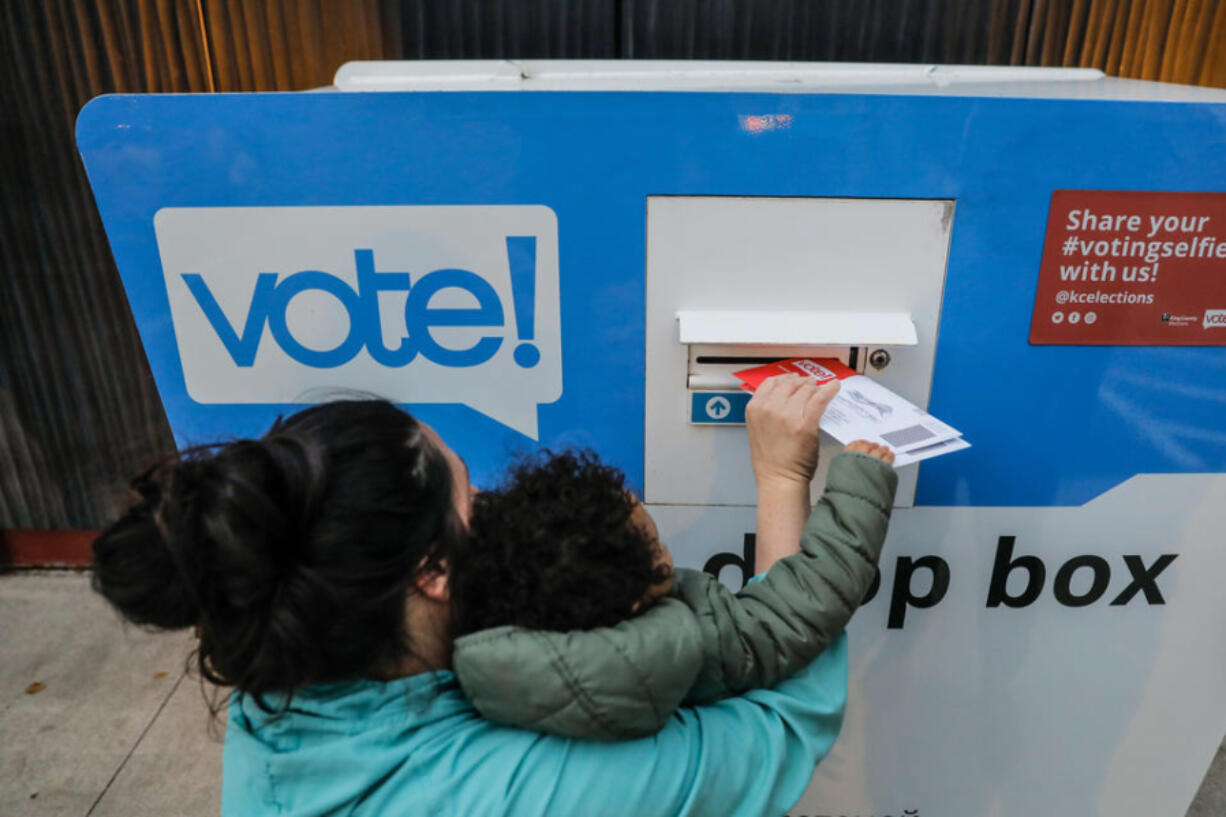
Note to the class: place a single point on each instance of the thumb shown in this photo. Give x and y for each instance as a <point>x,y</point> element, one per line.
<point>816,407</point>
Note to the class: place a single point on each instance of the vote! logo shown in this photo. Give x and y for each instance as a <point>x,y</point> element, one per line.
<point>418,304</point>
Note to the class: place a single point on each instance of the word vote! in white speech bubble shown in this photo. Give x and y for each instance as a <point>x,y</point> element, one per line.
<point>417,304</point>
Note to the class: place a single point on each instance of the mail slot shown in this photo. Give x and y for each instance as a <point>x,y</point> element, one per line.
<point>733,282</point>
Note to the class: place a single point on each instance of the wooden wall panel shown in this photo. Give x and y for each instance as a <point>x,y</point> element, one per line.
<point>78,409</point>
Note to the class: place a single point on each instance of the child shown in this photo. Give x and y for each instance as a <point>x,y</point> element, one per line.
<point>571,619</point>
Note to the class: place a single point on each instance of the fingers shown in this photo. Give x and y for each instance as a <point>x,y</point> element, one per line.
<point>818,399</point>
<point>795,389</point>
<point>796,397</point>
<point>786,385</point>
<point>776,395</point>
<point>798,400</point>
<point>783,444</point>
<point>881,452</point>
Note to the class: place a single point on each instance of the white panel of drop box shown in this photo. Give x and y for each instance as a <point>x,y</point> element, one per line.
<point>709,253</point>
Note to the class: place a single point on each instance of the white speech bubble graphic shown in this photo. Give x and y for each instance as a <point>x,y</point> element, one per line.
<point>241,280</point>
<point>1214,318</point>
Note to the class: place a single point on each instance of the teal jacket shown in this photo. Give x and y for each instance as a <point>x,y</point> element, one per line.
<point>419,746</point>
<point>416,746</point>
<point>701,644</point>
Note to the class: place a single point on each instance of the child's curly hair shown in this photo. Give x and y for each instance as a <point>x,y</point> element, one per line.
<point>553,549</point>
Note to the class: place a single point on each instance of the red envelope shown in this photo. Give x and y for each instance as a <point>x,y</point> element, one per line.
<point>820,369</point>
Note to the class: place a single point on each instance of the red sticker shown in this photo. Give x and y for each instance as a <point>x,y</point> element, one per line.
<point>1132,269</point>
<point>820,369</point>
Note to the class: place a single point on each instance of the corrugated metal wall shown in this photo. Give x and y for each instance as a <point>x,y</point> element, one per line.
<point>78,409</point>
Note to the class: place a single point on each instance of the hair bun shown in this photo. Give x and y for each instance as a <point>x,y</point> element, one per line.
<point>134,568</point>
<point>293,553</point>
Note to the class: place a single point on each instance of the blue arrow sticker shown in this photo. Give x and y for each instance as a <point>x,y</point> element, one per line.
<point>718,407</point>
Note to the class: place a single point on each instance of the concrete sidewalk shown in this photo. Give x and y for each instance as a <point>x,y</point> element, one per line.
<point>117,728</point>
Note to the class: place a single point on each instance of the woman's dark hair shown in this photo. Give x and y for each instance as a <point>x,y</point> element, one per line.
<point>292,554</point>
<point>554,549</point>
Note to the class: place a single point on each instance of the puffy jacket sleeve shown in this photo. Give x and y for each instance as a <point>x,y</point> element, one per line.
<point>704,644</point>
<point>742,757</point>
<point>771,628</point>
<point>611,683</point>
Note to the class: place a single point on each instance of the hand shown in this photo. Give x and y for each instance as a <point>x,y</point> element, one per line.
<point>881,452</point>
<point>782,421</point>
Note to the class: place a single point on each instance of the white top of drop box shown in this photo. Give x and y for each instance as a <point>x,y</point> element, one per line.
<point>761,77</point>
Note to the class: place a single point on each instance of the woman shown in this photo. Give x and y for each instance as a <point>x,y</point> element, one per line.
<point>313,564</point>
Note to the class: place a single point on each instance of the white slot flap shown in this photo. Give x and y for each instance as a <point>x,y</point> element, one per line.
<point>798,328</point>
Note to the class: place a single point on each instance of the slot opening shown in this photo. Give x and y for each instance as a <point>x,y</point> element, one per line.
<point>853,359</point>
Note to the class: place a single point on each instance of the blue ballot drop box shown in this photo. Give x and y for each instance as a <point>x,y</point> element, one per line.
<point>581,254</point>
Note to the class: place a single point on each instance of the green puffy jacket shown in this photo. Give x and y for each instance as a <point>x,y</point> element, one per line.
<point>701,643</point>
